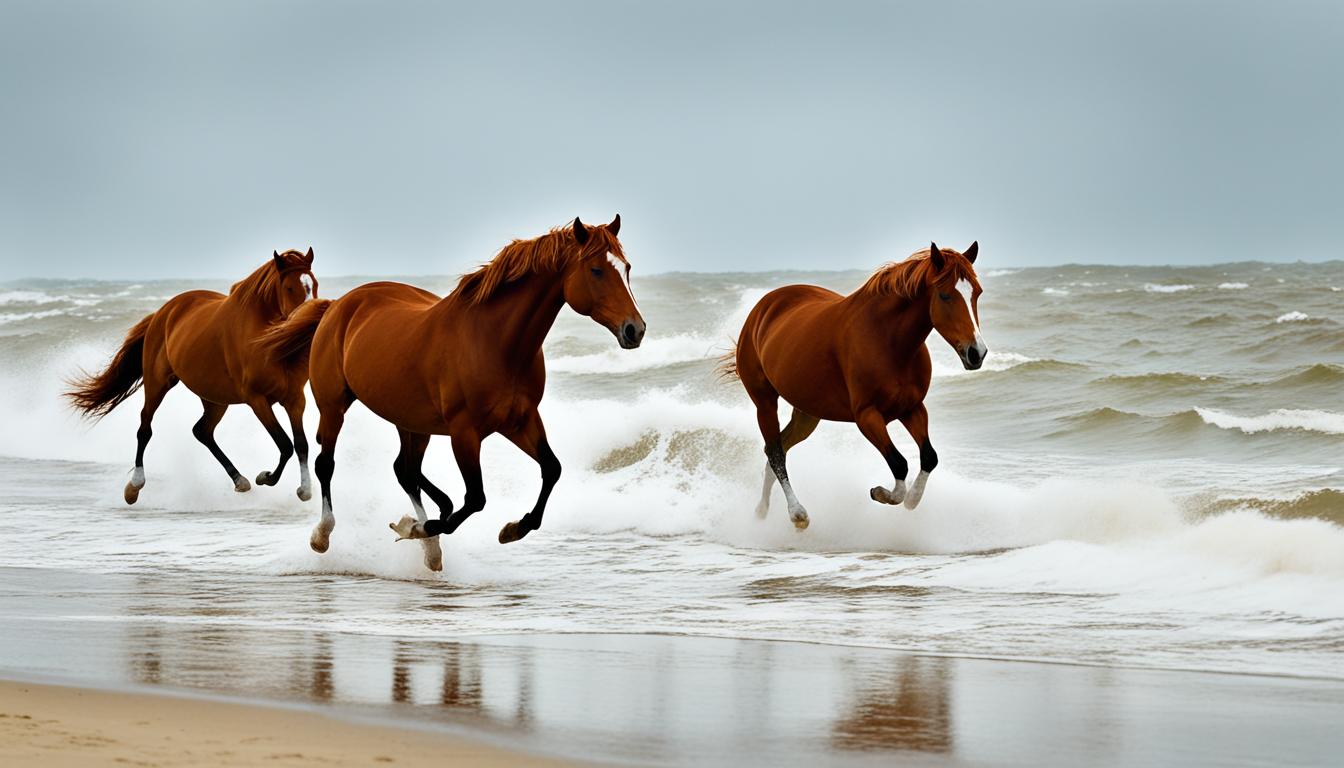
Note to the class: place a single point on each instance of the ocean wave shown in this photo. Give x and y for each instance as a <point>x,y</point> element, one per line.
<point>1292,317</point>
<point>655,352</point>
<point>1233,286</point>
<point>1280,419</point>
<point>1055,291</point>
<point>1315,375</point>
<point>15,317</point>
<point>1169,380</point>
<point>996,361</point>
<point>1323,504</point>
<point>1155,288</point>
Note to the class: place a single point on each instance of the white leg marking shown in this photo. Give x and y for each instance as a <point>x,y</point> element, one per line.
<point>916,491</point>
<point>305,483</point>
<point>763,508</point>
<point>138,477</point>
<point>433,554</point>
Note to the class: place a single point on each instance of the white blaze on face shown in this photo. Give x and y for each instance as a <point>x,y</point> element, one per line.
<point>967,291</point>
<point>307,281</point>
<point>622,270</point>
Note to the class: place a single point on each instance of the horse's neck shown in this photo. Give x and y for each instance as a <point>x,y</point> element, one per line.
<point>904,323</point>
<point>517,317</point>
<point>253,308</point>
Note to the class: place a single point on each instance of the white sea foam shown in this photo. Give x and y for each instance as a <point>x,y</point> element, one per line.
<point>1154,288</point>
<point>1282,418</point>
<point>1055,291</point>
<point>15,317</point>
<point>1233,286</point>
<point>1292,317</point>
<point>653,353</point>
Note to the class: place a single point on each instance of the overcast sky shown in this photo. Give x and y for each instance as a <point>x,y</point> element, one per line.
<point>189,139</point>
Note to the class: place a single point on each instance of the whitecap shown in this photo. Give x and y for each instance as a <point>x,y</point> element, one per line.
<point>1282,418</point>
<point>1154,288</point>
<point>1292,317</point>
<point>1233,286</point>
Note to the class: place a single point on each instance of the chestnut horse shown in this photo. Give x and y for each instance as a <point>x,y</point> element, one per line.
<point>858,358</point>
<point>205,339</point>
<point>468,365</point>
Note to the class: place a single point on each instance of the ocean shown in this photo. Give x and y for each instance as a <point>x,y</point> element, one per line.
<point>1148,472</point>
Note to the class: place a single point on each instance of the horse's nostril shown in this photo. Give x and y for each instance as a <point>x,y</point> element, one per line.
<point>973,355</point>
<point>630,332</point>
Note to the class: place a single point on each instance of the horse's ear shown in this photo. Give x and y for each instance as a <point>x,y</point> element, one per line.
<point>615,226</point>
<point>936,257</point>
<point>580,231</point>
<point>279,262</point>
<point>971,252</point>
<point>308,257</point>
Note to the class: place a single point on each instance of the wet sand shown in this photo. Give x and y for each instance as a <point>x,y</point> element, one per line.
<point>59,726</point>
<point>624,699</point>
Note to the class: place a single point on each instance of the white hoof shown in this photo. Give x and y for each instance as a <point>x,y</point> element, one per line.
<point>433,554</point>
<point>305,493</point>
<point>408,528</point>
<point>241,485</point>
<point>883,496</point>
<point>916,491</point>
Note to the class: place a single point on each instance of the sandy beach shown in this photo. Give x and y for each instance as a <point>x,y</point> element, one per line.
<point>56,726</point>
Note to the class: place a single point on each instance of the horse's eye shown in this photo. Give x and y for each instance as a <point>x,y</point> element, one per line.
<point>944,296</point>
<point>597,271</point>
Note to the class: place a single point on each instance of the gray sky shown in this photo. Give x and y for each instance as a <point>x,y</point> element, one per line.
<point>188,139</point>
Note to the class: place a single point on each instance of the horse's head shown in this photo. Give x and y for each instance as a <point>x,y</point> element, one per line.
<point>597,283</point>
<point>295,282</point>
<point>954,295</point>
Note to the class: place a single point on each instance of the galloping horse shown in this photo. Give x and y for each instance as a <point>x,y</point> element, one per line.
<point>467,365</point>
<point>858,358</point>
<point>205,340</point>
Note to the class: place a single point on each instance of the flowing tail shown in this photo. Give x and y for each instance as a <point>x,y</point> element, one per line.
<point>288,341</point>
<point>96,396</point>
<point>727,367</point>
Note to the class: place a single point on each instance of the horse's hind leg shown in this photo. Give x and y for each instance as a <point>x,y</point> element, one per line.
<point>204,431</point>
<point>266,416</point>
<point>874,427</point>
<point>407,467</point>
<point>799,428</point>
<point>767,418</point>
<point>156,387</point>
<point>328,429</point>
<point>917,424</point>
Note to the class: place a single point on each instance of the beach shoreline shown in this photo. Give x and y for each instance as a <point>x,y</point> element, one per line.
<point>50,724</point>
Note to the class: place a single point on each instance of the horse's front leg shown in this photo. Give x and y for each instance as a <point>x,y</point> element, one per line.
<point>266,416</point>
<point>917,424</point>
<point>294,409</point>
<point>531,439</point>
<point>874,427</point>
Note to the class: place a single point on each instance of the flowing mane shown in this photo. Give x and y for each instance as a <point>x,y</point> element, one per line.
<point>550,253</point>
<point>905,279</point>
<point>261,285</point>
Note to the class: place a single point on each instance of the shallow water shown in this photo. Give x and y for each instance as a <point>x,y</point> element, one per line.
<point>1147,473</point>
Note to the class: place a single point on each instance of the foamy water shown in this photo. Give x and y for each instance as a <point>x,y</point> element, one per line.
<point>1146,472</point>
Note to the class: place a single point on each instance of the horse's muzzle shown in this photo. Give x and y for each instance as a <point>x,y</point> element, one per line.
<point>973,356</point>
<point>631,333</point>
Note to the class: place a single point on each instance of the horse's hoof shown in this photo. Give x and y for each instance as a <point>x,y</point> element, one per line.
<point>912,498</point>
<point>241,485</point>
<point>264,478</point>
<point>132,493</point>
<point>433,555</point>
<point>799,519</point>
<point>305,493</point>
<point>883,496</point>
<point>319,541</point>
<point>408,528</point>
<point>511,532</point>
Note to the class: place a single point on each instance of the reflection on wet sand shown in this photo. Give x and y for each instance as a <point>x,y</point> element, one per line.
<point>664,699</point>
<point>908,708</point>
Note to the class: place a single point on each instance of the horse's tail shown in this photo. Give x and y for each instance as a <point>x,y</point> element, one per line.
<point>96,396</point>
<point>726,370</point>
<point>288,341</point>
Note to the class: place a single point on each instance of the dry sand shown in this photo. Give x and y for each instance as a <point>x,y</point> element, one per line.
<point>48,725</point>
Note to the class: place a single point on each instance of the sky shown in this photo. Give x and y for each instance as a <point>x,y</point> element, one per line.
<point>187,139</point>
